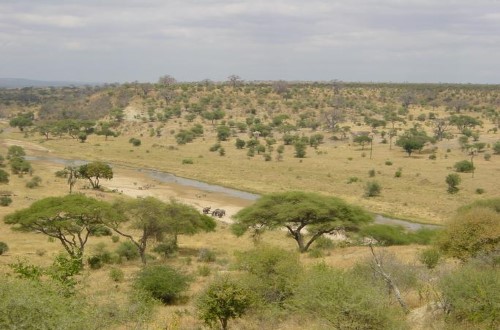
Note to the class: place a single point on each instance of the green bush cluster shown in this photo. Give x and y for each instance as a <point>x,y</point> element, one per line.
<point>396,235</point>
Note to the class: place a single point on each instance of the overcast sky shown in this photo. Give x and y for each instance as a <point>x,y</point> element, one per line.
<point>350,40</point>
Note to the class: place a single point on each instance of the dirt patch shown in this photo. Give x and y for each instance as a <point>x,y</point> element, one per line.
<point>26,145</point>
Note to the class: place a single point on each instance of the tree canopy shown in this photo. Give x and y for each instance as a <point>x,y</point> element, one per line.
<point>70,219</point>
<point>156,220</point>
<point>94,172</point>
<point>413,139</point>
<point>306,216</point>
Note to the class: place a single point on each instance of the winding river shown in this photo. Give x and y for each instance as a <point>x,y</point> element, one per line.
<point>166,177</point>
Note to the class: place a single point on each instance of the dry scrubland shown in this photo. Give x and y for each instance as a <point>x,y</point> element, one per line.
<point>419,194</point>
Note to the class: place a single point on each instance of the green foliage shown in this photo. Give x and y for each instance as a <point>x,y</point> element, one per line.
<point>397,235</point>
<point>272,273</point>
<point>223,132</point>
<point>128,250</point>
<point>371,173</point>
<point>184,137</point>
<point>474,230</point>
<point>296,210</point>
<point>116,274</point>
<point>215,147</point>
<point>240,144</point>
<point>19,165</point>
<point>3,248</point>
<point>300,149</point>
<point>30,306</point>
<point>342,300</point>
<point>4,176</point>
<point>70,219</point>
<point>372,189</point>
<point>472,295</point>
<point>453,180</point>
<point>464,166</point>
<point>162,282</point>
<point>166,249</point>
<point>430,257</point>
<point>34,182</point>
<point>413,139</point>
<point>5,201</point>
<point>362,140</point>
<point>22,121</point>
<point>15,152</point>
<point>187,161</point>
<point>224,299</point>
<point>95,171</point>
<point>496,148</point>
<point>135,142</point>
<point>24,270</point>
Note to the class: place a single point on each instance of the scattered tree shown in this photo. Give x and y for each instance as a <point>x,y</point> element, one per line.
<point>453,180</point>
<point>94,172</point>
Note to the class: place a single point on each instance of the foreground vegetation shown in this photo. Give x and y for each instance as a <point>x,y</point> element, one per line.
<point>94,258</point>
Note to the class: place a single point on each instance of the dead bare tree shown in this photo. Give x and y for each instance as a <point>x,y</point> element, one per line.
<point>377,268</point>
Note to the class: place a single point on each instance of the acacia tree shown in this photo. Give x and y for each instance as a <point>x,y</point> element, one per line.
<point>299,212</point>
<point>70,219</point>
<point>94,172</point>
<point>156,219</point>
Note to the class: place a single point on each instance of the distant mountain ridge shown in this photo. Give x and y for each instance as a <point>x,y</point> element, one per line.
<point>20,83</point>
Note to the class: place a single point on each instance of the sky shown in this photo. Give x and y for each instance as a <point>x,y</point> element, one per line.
<point>455,41</point>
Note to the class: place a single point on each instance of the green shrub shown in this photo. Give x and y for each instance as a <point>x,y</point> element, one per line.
<point>398,173</point>
<point>128,250</point>
<point>223,300</point>
<point>215,147</point>
<point>386,234</point>
<point>204,270</point>
<point>5,201</point>
<point>4,176</point>
<point>116,274</point>
<point>324,243</point>
<point>95,262</point>
<point>472,296</point>
<point>99,231</point>
<point>62,173</point>
<point>341,300</point>
<point>353,179</point>
<point>162,283</point>
<point>3,248</point>
<point>464,166</point>
<point>479,191</point>
<point>388,163</point>
<point>166,249</point>
<point>34,182</point>
<point>31,305</point>
<point>135,142</point>
<point>115,238</point>
<point>371,173</point>
<point>487,156</point>
<point>453,180</point>
<point>372,189</point>
<point>187,161</point>
<point>430,257</point>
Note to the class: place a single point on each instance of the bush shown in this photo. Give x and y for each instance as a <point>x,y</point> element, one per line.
<point>430,257</point>
<point>128,250</point>
<point>166,249</point>
<point>31,305</point>
<point>223,300</point>
<point>116,274</point>
<point>5,201</point>
<point>464,166</point>
<point>187,161</point>
<point>398,173</point>
<point>95,262</point>
<point>162,283</point>
<point>4,176</point>
<point>453,180</point>
<point>386,234</point>
<point>371,173</point>
<point>388,163</point>
<point>343,301</point>
<point>3,248</point>
<point>62,174</point>
<point>135,142</point>
<point>372,189</point>
<point>272,273</point>
<point>353,179</point>
<point>472,296</point>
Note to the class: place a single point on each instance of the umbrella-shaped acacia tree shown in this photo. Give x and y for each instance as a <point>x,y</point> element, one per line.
<point>306,216</point>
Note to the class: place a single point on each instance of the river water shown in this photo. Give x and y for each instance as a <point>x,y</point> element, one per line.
<point>166,177</point>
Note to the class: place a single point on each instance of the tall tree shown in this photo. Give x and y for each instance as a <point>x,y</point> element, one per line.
<point>300,212</point>
<point>70,219</point>
<point>413,139</point>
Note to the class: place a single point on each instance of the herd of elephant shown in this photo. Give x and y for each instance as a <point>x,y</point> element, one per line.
<point>216,213</point>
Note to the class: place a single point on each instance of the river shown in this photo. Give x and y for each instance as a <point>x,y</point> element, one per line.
<point>166,177</point>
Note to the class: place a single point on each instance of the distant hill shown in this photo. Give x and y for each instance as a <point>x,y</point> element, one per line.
<point>20,83</point>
